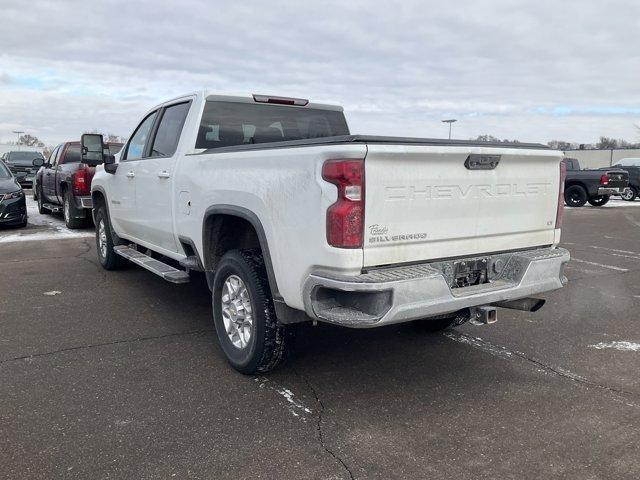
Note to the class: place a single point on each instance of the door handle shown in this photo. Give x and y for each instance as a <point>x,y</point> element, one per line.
<point>131,174</point>
<point>164,174</point>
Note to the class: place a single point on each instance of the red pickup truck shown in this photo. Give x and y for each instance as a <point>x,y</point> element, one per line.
<point>64,184</point>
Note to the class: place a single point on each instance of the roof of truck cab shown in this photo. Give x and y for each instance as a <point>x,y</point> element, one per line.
<point>215,97</point>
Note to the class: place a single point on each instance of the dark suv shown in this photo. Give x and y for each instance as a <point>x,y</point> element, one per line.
<point>21,165</point>
<point>64,184</point>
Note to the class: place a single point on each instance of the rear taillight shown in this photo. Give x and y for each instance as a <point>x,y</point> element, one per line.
<point>560,210</point>
<point>81,181</point>
<point>345,218</point>
<point>604,179</point>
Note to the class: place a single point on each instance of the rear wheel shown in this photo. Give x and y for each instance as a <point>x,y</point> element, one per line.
<point>105,241</point>
<point>575,196</point>
<point>249,333</point>
<point>630,194</point>
<point>69,211</point>
<point>599,201</point>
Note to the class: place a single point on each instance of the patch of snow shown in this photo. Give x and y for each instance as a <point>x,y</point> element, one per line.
<point>52,293</point>
<point>295,406</point>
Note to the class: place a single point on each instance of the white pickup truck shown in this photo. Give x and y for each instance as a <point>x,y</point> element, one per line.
<point>294,219</point>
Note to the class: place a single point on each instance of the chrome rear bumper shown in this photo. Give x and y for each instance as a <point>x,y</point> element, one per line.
<point>405,293</point>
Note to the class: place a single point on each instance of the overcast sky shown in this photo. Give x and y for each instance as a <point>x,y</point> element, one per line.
<point>533,71</point>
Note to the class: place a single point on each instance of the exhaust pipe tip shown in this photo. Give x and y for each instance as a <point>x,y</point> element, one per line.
<point>528,304</point>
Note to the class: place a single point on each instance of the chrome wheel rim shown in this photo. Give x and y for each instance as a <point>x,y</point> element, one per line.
<point>627,195</point>
<point>102,239</point>
<point>237,313</point>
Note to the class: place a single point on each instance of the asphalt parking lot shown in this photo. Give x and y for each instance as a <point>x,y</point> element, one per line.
<point>118,375</point>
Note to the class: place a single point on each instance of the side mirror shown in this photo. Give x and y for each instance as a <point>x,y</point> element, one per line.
<point>38,162</point>
<point>92,149</point>
<point>110,165</point>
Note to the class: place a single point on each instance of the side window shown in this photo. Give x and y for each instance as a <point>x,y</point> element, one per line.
<point>169,130</point>
<point>59,155</point>
<point>55,158</point>
<point>52,157</point>
<point>135,148</point>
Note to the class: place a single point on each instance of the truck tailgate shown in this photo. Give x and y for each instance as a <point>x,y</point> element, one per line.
<point>423,203</point>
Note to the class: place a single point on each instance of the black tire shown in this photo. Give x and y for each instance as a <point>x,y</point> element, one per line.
<point>575,196</point>
<point>599,201</point>
<point>69,210</point>
<point>631,196</point>
<point>269,340</point>
<point>109,259</point>
<point>41,209</point>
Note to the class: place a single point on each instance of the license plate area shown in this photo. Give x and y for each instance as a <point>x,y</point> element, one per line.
<point>469,272</point>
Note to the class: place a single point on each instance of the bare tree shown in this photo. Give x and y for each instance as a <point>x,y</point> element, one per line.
<point>30,141</point>
<point>561,145</point>
<point>491,138</point>
<point>108,137</point>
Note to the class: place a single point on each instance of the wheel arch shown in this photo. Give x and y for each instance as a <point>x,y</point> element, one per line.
<point>98,197</point>
<point>572,183</point>
<point>217,219</point>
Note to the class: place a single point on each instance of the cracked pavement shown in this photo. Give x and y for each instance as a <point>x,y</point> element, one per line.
<point>119,376</point>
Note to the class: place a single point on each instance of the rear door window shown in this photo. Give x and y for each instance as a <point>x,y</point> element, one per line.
<point>169,130</point>
<point>71,154</point>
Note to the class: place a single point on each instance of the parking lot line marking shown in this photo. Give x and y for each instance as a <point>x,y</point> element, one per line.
<point>619,269</point>
<point>41,236</point>
<point>622,345</point>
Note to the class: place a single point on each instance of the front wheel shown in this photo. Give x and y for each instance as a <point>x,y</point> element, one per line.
<point>630,194</point>
<point>599,201</point>
<point>109,259</point>
<point>249,333</point>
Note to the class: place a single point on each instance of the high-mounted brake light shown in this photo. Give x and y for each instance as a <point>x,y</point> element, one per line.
<point>345,218</point>
<point>301,102</point>
<point>604,179</point>
<point>560,210</point>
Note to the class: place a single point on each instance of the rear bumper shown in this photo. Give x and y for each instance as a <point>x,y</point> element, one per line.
<point>611,190</point>
<point>84,202</point>
<point>402,294</point>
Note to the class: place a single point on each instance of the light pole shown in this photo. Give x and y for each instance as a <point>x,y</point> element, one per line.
<point>18,132</point>
<point>450,121</point>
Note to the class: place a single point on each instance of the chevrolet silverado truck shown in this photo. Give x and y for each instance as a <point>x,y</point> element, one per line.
<point>63,183</point>
<point>292,219</point>
<point>593,186</point>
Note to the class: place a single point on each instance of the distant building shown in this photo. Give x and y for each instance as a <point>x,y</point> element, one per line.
<point>602,158</point>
